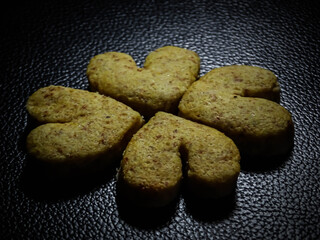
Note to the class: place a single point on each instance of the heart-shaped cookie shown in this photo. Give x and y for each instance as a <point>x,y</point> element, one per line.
<point>158,86</point>
<point>239,101</point>
<point>81,128</point>
<point>151,168</point>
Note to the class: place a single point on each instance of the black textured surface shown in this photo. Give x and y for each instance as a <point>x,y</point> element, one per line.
<point>51,42</point>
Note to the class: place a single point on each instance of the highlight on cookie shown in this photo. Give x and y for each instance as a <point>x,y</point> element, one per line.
<point>79,129</point>
<point>158,86</point>
<point>241,101</point>
<point>151,169</point>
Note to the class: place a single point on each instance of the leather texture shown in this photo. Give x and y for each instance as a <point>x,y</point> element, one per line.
<point>51,42</point>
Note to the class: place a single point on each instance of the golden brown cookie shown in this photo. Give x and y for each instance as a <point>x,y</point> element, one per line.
<point>81,128</point>
<point>158,86</point>
<point>240,100</point>
<point>151,169</point>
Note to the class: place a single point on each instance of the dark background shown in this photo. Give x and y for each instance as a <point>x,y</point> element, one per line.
<point>51,42</point>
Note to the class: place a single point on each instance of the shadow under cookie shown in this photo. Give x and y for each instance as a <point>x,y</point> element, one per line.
<point>209,210</point>
<point>44,182</point>
<point>144,217</point>
<point>263,163</point>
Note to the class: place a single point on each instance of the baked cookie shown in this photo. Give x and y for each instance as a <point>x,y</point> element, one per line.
<point>81,128</point>
<point>241,101</point>
<point>158,86</point>
<point>151,169</point>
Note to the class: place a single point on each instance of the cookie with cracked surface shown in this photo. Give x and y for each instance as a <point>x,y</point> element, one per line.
<point>158,86</point>
<point>151,169</point>
<point>241,101</point>
<point>80,128</point>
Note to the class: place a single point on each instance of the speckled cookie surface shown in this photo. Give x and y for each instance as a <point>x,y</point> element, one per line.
<point>158,86</point>
<point>241,101</point>
<point>79,127</point>
<point>151,169</point>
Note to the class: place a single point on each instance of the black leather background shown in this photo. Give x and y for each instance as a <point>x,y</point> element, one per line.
<point>51,42</point>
